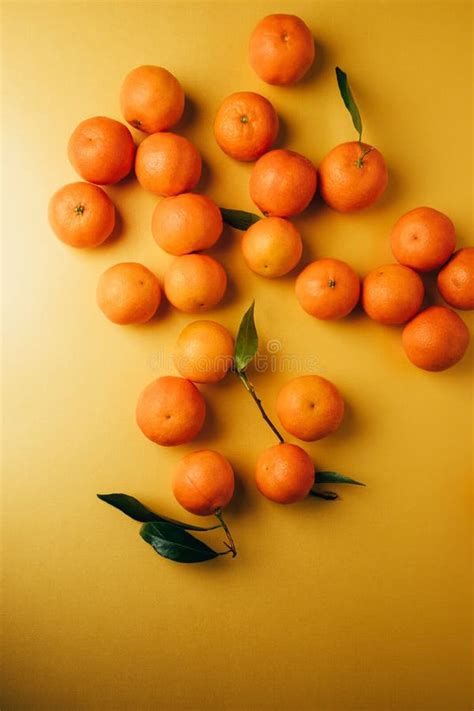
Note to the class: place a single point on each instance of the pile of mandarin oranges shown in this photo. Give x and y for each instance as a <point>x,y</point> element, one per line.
<point>171,410</point>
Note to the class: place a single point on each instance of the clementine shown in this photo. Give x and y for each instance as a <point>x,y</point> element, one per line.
<point>456,280</point>
<point>246,125</point>
<point>352,177</point>
<point>435,339</point>
<point>272,247</point>
<point>284,473</point>
<point>423,239</point>
<point>186,223</point>
<point>81,214</point>
<point>195,282</point>
<point>310,407</point>
<point>327,289</point>
<point>281,49</point>
<point>392,294</point>
<point>128,293</point>
<point>203,482</point>
<point>101,150</point>
<point>282,183</point>
<point>171,411</point>
<point>167,164</point>
<point>204,352</point>
<point>151,99</point>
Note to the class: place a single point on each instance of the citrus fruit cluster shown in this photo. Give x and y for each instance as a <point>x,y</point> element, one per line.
<point>172,410</point>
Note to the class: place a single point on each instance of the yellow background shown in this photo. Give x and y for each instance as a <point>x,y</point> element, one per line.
<point>359,604</point>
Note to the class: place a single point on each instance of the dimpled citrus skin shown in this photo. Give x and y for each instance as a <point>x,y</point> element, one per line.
<point>170,411</point>
<point>327,289</point>
<point>282,183</point>
<point>392,294</point>
<point>281,49</point>
<point>436,339</point>
<point>423,239</point>
<point>246,125</point>
<point>167,164</point>
<point>456,280</point>
<point>284,473</point>
<point>195,282</point>
<point>272,247</point>
<point>151,99</point>
<point>186,223</point>
<point>204,352</point>
<point>347,187</point>
<point>101,150</point>
<point>203,482</point>
<point>81,214</point>
<point>128,293</point>
<point>310,407</point>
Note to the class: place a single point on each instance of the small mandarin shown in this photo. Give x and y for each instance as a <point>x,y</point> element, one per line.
<point>195,282</point>
<point>203,482</point>
<point>436,339</point>
<point>246,125</point>
<point>186,223</point>
<point>151,99</point>
<point>423,239</point>
<point>456,280</point>
<point>272,247</point>
<point>170,411</point>
<point>310,407</point>
<point>327,289</point>
<point>128,293</point>
<point>392,294</point>
<point>282,183</point>
<point>167,164</point>
<point>284,473</point>
<point>101,150</point>
<point>204,352</point>
<point>81,215</point>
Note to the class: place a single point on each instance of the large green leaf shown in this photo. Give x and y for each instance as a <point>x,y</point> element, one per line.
<point>246,343</point>
<point>239,219</point>
<point>349,101</point>
<point>175,543</point>
<point>139,512</point>
<point>335,478</point>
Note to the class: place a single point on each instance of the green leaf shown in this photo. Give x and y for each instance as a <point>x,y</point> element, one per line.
<point>246,343</point>
<point>349,101</point>
<point>335,478</point>
<point>239,219</point>
<point>175,543</point>
<point>328,495</point>
<point>135,509</point>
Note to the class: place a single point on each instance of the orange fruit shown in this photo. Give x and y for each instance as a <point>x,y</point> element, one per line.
<point>272,247</point>
<point>392,294</point>
<point>281,49</point>
<point>282,183</point>
<point>284,473</point>
<point>195,282</point>
<point>327,289</point>
<point>456,280</point>
<point>203,482</point>
<point>167,164</point>
<point>436,339</point>
<point>151,99</point>
<point>352,177</point>
<point>101,150</point>
<point>171,411</point>
<point>310,407</point>
<point>128,293</point>
<point>186,223</point>
<point>246,125</point>
<point>204,352</point>
<point>423,239</point>
<point>81,214</point>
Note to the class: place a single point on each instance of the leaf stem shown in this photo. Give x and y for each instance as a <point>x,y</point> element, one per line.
<point>231,544</point>
<point>250,389</point>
